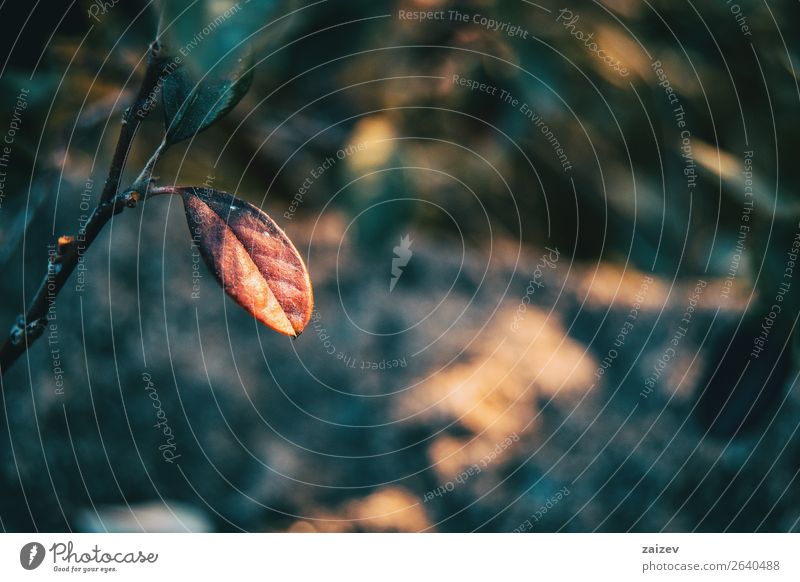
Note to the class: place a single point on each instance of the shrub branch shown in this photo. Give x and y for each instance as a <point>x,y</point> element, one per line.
<point>30,325</point>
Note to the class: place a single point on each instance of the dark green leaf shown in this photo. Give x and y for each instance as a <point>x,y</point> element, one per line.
<point>191,106</point>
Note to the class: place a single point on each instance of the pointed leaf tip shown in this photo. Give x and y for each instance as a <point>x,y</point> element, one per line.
<point>252,258</point>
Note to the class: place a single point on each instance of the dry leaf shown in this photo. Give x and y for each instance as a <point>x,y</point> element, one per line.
<point>256,263</point>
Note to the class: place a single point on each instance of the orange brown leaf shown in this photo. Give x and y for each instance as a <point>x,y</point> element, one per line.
<point>254,261</point>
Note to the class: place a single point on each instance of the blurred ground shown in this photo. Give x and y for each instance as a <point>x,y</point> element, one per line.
<point>278,435</point>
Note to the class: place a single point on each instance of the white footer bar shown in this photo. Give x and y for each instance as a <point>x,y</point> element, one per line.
<point>401,557</point>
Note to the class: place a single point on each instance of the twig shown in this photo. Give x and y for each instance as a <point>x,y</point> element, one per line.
<point>133,117</point>
<point>60,266</point>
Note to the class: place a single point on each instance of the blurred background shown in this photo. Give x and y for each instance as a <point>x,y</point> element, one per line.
<point>543,241</point>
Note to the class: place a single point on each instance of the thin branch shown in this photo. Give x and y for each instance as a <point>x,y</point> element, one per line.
<point>158,190</point>
<point>60,266</point>
<point>132,118</point>
<point>145,178</point>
